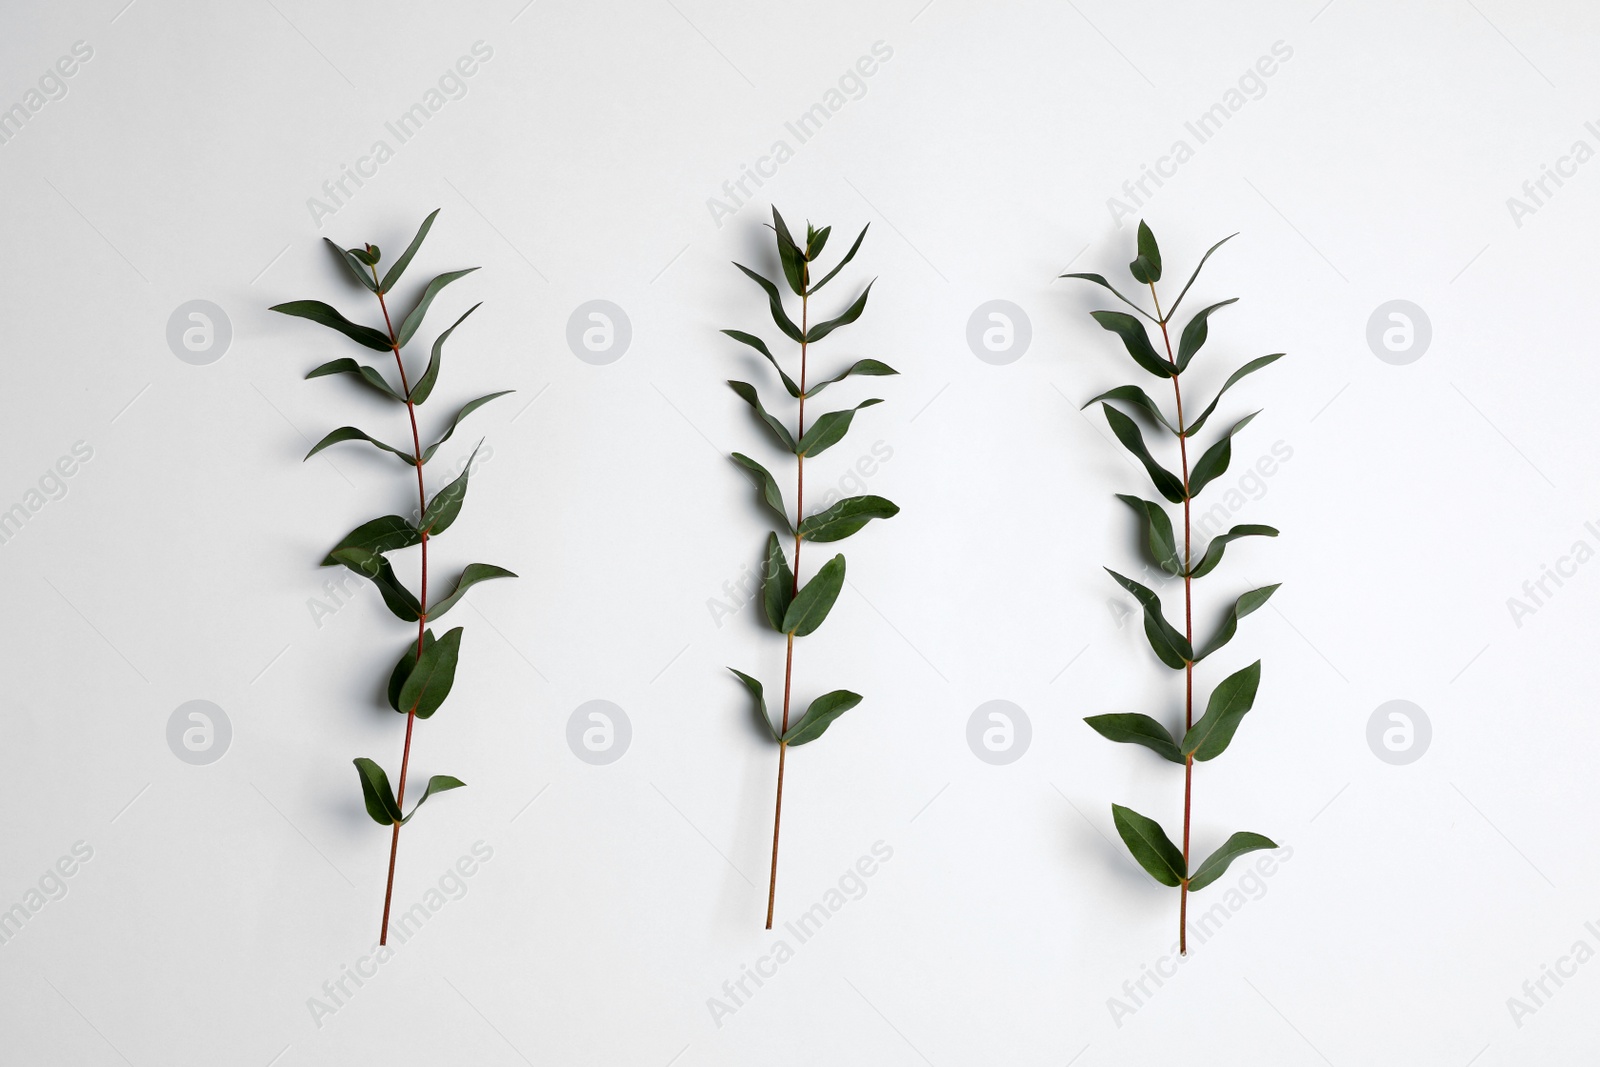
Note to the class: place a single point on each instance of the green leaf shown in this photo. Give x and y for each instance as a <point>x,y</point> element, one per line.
<point>1150,845</point>
<point>422,388</point>
<point>446,503</point>
<point>1174,308</point>
<point>402,669</point>
<point>1194,334</point>
<point>1132,394</point>
<point>777,583</point>
<point>1230,622</point>
<point>829,429</point>
<point>1147,268</point>
<point>376,569</point>
<point>761,346</point>
<point>349,258</point>
<point>1170,646</point>
<point>376,792</point>
<point>324,315</point>
<point>820,715</point>
<point>779,316</point>
<point>1214,461</point>
<point>748,393</point>
<point>1233,697</point>
<point>760,701</point>
<point>380,535</point>
<point>1158,535</point>
<point>1167,484</point>
<point>369,375</point>
<point>846,517</point>
<point>393,276</point>
<point>437,784</point>
<point>413,320</point>
<point>1135,340</point>
<point>1214,550</point>
<point>350,433</point>
<point>471,576</point>
<point>815,599</point>
<point>1133,729</point>
<point>848,256</point>
<point>770,493</point>
<point>794,261</point>
<point>816,240</point>
<point>861,366</point>
<point>466,409</point>
<point>369,255</point>
<point>1100,280</point>
<point>429,682</point>
<point>851,314</point>
<point>1218,862</point>
<point>1254,365</point>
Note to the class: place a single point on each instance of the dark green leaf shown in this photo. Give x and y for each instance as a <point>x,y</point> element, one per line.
<point>770,492</point>
<point>471,576</point>
<point>355,265</point>
<point>1147,268</point>
<point>380,535</point>
<point>369,255</point>
<point>820,715</point>
<point>1217,863</point>
<point>350,433</point>
<point>369,375</point>
<point>1170,646</point>
<point>402,670</point>
<point>1135,340</point>
<point>1167,484</point>
<point>815,599</point>
<point>1150,845</point>
<point>1254,365</point>
<point>422,388</point>
<point>393,276</point>
<point>1214,550</point>
<point>376,569</point>
<point>1194,334</point>
<point>324,315</point>
<point>413,320</point>
<point>828,429</point>
<point>779,316</point>
<point>1133,729</point>
<point>848,256</point>
<point>1132,394</point>
<point>760,701</point>
<point>376,792</point>
<point>446,503</point>
<point>846,517</point>
<point>429,682</point>
<point>761,346</point>
<point>851,314</point>
<point>1214,461</point>
<point>1158,535</point>
<point>816,240</point>
<point>1230,700</point>
<point>794,261</point>
<point>1230,622</point>
<point>437,784</point>
<point>860,366</point>
<point>748,393</point>
<point>1100,280</point>
<point>466,409</point>
<point>1174,308</point>
<point>777,583</point>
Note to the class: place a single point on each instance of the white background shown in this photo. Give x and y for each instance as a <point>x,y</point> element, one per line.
<point>181,562</point>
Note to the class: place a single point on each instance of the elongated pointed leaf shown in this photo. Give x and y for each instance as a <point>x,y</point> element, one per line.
<point>354,264</point>
<point>1214,550</point>
<point>368,255</point>
<point>325,315</point>
<point>820,715</point>
<point>1150,845</point>
<point>1135,340</point>
<point>430,680</point>
<point>1100,280</point>
<point>777,583</point>
<point>380,535</point>
<point>851,314</point>
<point>1170,646</point>
<point>370,375</point>
<point>1173,310</point>
<point>350,433</point>
<point>1254,365</point>
<point>748,394</point>
<point>1167,484</point>
<point>471,576</point>
<point>861,366</point>
<point>1214,461</point>
<point>392,278</point>
<point>1233,697</point>
<point>376,569</point>
<point>771,495</point>
<point>815,599</point>
<point>422,388</point>
<point>760,701</point>
<point>1194,334</point>
<point>1158,537</point>
<point>1135,729</point>
<point>829,429</point>
<point>794,261</point>
<point>761,346</point>
<point>1230,622</point>
<point>439,783</point>
<point>846,517</point>
<point>413,320</point>
<point>446,503</point>
<point>1132,394</point>
<point>816,240</point>
<point>775,301</point>
<point>466,409</point>
<point>402,670</point>
<point>848,256</point>
<point>1218,862</point>
<point>1146,269</point>
<point>376,792</point>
